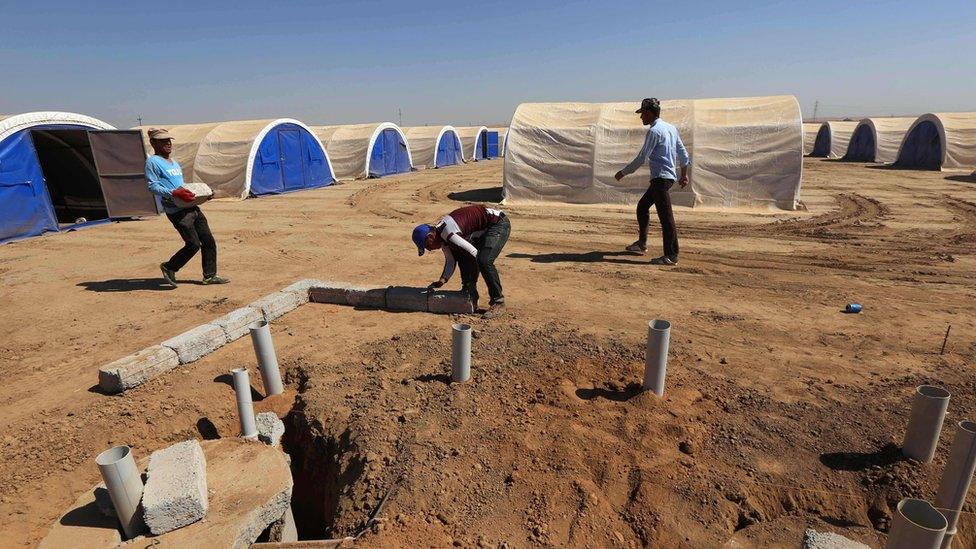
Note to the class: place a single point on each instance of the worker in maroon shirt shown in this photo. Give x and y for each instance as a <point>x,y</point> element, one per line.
<point>471,237</point>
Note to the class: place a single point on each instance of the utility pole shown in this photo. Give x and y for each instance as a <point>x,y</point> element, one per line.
<point>816,106</point>
<point>400,116</point>
<point>139,118</point>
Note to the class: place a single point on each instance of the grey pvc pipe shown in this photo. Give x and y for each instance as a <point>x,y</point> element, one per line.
<point>124,484</point>
<point>656,357</point>
<point>460,353</point>
<point>245,407</point>
<point>916,525</point>
<point>267,360</point>
<point>925,425</point>
<point>957,477</point>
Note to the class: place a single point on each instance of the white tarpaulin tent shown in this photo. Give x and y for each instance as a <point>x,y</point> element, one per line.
<point>832,139</point>
<point>745,152</point>
<point>359,151</point>
<point>434,146</point>
<point>810,130</point>
<point>877,139</point>
<point>240,158</point>
<point>940,140</point>
<point>502,133</point>
<point>474,140</point>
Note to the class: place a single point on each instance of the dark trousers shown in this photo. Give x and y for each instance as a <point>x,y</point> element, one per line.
<point>192,226</point>
<point>657,195</point>
<point>489,246</point>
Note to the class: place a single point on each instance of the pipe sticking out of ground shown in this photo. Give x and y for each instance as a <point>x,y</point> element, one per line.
<point>124,484</point>
<point>957,477</point>
<point>267,359</point>
<point>245,406</point>
<point>916,525</point>
<point>656,359</point>
<point>925,425</point>
<point>460,353</point>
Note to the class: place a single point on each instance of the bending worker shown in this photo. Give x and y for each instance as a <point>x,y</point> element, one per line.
<point>471,236</point>
<point>662,146</point>
<point>165,179</point>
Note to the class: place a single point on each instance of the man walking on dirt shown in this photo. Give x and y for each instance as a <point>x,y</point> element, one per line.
<point>471,236</point>
<point>165,179</point>
<point>662,146</point>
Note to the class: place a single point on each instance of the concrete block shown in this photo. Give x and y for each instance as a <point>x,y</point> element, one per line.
<point>176,491</point>
<point>277,304</point>
<point>235,323</point>
<point>304,285</point>
<point>368,298</point>
<point>134,370</point>
<point>444,302</point>
<point>813,539</point>
<point>198,342</point>
<point>283,530</point>
<point>401,298</point>
<point>336,294</point>
<point>342,293</point>
<point>270,428</point>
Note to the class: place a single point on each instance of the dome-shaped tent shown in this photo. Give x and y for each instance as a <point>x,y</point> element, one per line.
<point>59,170</point>
<point>250,157</point>
<point>940,140</point>
<point>832,139</point>
<point>810,130</point>
<point>745,152</point>
<point>877,139</point>
<point>359,151</point>
<point>474,140</point>
<point>434,146</point>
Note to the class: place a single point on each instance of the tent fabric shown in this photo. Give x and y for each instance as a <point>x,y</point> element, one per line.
<point>26,208</point>
<point>745,152</point>
<point>940,140</point>
<point>877,139</point>
<point>359,151</point>
<point>832,139</point>
<point>471,140</point>
<point>810,130</point>
<point>502,134</point>
<point>434,146</point>
<point>240,158</point>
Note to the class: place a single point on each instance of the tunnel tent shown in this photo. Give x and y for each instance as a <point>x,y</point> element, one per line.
<point>940,140</point>
<point>877,139</point>
<point>502,134</point>
<point>434,146</point>
<point>832,139</point>
<point>245,158</point>
<point>745,152</point>
<point>810,130</point>
<point>474,139</point>
<point>361,151</point>
<point>61,170</point>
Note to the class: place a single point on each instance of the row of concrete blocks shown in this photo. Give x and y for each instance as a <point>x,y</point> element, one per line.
<point>392,298</point>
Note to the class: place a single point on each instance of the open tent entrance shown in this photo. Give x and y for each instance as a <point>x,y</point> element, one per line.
<point>922,147</point>
<point>862,147</point>
<point>481,146</point>
<point>65,158</point>
<point>821,147</point>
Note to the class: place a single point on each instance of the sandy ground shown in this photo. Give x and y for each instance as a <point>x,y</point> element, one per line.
<point>780,410</point>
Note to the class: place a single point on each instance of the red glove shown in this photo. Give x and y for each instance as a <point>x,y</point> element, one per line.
<point>184,194</point>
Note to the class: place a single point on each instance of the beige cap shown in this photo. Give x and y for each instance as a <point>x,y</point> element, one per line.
<point>159,134</point>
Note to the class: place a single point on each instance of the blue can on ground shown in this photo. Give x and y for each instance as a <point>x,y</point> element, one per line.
<point>853,308</point>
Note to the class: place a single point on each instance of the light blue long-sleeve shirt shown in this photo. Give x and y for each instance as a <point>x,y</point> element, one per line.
<point>164,177</point>
<point>662,147</point>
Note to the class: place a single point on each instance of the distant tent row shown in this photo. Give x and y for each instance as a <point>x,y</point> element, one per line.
<point>745,152</point>
<point>877,139</point>
<point>474,140</point>
<point>359,151</point>
<point>832,139</point>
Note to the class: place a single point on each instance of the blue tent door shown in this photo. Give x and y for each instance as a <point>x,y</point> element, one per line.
<point>448,150</point>
<point>291,159</point>
<point>492,144</point>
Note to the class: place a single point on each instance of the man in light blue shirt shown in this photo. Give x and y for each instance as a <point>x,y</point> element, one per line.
<point>662,150</point>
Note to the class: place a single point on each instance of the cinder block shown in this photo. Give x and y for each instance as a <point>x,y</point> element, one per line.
<point>444,302</point>
<point>235,323</point>
<point>270,428</point>
<point>134,370</point>
<point>176,491</point>
<point>367,298</point>
<point>342,293</point>
<point>276,304</point>
<point>337,293</point>
<point>304,285</point>
<point>401,298</point>
<point>198,342</point>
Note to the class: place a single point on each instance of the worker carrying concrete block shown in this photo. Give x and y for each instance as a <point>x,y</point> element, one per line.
<point>471,237</point>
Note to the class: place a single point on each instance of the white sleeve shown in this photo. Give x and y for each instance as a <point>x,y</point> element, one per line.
<point>449,264</point>
<point>460,242</point>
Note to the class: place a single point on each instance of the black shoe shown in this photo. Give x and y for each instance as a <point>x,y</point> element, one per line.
<point>216,279</point>
<point>168,275</point>
<point>637,247</point>
<point>494,311</point>
<point>664,260</point>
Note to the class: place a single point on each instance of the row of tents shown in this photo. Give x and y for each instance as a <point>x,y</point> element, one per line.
<point>933,141</point>
<point>63,170</point>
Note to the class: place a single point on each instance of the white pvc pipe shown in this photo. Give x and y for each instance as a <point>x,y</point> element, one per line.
<point>460,353</point>
<point>956,477</point>
<point>124,484</point>
<point>656,357</point>
<point>916,525</point>
<point>267,360</point>
<point>245,407</point>
<point>925,425</point>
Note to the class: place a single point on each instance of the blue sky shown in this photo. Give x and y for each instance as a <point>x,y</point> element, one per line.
<point>464,63</point>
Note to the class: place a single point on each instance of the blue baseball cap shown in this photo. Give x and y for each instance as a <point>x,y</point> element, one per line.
<point>420,233</point>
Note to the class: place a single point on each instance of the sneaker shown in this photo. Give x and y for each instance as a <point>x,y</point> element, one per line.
<point>637,247</point>
<point>216,279</point>
<point>494,311</point>
<point>664,260</point>
<point>168,275</point>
